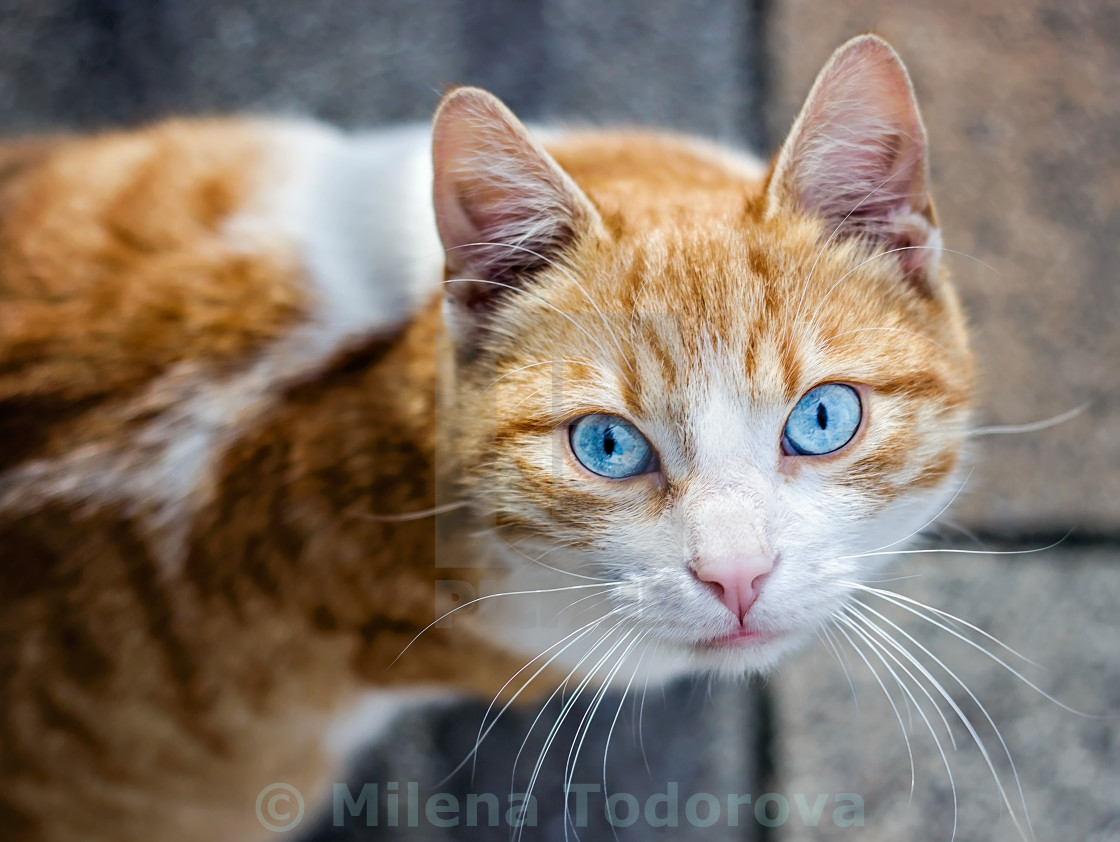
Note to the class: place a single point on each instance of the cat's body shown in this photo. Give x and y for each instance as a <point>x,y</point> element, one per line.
<point>127,661</point>
<point>230,394</point>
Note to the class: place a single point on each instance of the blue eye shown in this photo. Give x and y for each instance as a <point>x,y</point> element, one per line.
<point>824,420</point>
<point>610,447</point>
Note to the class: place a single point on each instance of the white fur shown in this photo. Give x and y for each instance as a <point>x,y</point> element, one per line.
<point>370,716</point>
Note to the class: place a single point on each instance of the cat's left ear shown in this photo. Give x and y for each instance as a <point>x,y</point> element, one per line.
<point>505,209</point>
<point>857,158</point>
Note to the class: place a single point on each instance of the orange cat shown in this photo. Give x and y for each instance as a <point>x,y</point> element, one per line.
<point>247,434</point>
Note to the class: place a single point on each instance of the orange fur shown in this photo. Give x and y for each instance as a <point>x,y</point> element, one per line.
<point>141,698</point>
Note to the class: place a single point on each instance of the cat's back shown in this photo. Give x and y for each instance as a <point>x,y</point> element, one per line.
<point>195,248</point>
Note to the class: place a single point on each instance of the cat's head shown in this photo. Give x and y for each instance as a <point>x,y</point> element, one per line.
<point>728,393</point>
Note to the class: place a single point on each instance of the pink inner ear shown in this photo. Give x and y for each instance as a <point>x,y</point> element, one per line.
<point>864,185</point>
<point>503,206</point>
<point>857,154</point>
<point>861,148</point>
<point>494,185</point>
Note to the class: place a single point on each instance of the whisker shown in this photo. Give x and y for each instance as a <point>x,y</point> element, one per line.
<point>492,596</point>
<point>642,712</point>
<point>824,635</point>
<point>562,685</point>
<point>883,578</point>
<point>584,727</point>
<point>572,605</point>
<point>967,533</point>
<point>1026,832</point>
<point>880,650</point>
<point>419,515</point>
<point>637,296</point>
<point>964,552</point>
<point>879,254</point>
<point>971,257</point>
<point>876,256</point>
<point>890,700</point>
<point>514,371</point>
<point>564,643</point>
<point>588,715</point>
<point>917,683</point>
<point>614,722</point>
<point>567,708</point>
<point>906,538</point>
<point>1034,426</point>
<point>900,601</point>
<point>905,602</point>
<point>585,721</point>
<point>914,333</point>
<point>483,729</point>
<point>529,396</point>
<point>537,559</point>
<point>578,616</point>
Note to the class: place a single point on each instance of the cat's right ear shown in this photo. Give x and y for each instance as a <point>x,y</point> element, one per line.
<point>504,207</point>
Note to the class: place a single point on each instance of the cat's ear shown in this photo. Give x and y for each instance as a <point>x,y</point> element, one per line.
<point>504,207</point>
<point>857,158</point>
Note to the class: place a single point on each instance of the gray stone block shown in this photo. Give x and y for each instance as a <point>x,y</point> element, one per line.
<point>1057,608</point>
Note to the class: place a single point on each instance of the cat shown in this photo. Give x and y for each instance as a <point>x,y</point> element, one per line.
<point>257,459</point>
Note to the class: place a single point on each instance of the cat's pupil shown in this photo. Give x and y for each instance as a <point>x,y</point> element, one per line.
<point>608,442</point>
<point>822,416</point>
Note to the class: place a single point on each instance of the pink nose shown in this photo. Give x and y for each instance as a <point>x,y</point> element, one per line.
<point>736,581</point>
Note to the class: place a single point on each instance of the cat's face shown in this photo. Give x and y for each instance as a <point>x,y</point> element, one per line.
<point>702,395</point>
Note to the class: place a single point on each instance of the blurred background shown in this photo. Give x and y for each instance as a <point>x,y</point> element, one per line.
<point>1023,110</point>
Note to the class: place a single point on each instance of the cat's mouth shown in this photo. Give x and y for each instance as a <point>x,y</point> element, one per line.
<point>744,636</point>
